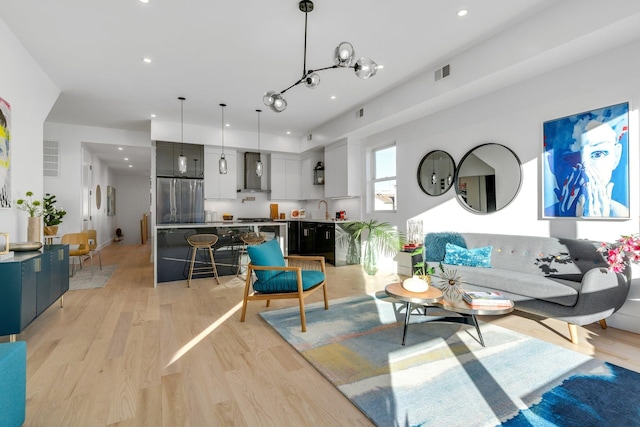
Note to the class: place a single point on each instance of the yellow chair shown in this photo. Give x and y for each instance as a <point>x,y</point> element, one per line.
<point>280,277</point>
<point>78,247</point>
<point>93,244</point>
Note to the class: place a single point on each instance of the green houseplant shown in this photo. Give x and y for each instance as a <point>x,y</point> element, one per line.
<point>52,215</point>
<point>381,237</point>
<point>34,207</point>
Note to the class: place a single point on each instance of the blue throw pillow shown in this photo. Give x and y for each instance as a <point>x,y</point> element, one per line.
<point>266,254</point>
<point>476,257</point>
<point>435,244</point>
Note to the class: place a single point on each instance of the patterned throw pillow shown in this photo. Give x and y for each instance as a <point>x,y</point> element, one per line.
<point>476,257</point>
<point>435,244</point>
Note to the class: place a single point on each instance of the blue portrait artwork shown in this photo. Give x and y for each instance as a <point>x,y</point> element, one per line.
<point>586,164</point>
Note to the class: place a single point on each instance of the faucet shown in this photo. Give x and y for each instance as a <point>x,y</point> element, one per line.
<point>326,208</point>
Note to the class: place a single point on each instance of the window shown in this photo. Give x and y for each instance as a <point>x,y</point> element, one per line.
<point>384,179</point>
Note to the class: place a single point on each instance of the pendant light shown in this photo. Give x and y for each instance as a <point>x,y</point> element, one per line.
<point>259,167</point>
<point>222,163</point>
<point>344,57</point>
<point>182,159</point>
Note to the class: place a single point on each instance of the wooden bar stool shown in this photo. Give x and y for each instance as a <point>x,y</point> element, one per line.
<point>248,239</point>
<point>202,241</point>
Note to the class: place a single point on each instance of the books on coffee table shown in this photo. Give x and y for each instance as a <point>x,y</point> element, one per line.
<point>480,298</point>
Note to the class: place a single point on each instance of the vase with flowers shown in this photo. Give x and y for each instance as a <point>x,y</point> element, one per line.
<point>52,215</point>
<point>34,208</point>
<point>622,253</point>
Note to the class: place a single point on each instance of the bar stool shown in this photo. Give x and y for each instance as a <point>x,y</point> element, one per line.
<point>202,241</point>
<point>248,239</point>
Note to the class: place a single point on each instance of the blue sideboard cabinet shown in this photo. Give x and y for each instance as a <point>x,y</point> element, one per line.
<point>29,284</point>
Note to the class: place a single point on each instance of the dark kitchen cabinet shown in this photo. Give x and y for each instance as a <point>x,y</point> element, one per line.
<point>307,238</point>
<point>293,237</point>
<point>325,242</point>
<point>32,281</point>
<point>328,239</point>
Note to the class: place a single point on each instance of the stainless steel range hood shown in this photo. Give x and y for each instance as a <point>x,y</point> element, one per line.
<point>252,182</point>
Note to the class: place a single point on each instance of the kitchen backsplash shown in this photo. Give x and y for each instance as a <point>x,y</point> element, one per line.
<point>259,207</point>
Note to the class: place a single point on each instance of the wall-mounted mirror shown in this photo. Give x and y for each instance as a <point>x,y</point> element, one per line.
<point>435,172</point>
<point>488,178</point>
<point>98,196</point>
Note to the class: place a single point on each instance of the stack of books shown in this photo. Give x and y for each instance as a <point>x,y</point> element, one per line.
<point>479,299</point>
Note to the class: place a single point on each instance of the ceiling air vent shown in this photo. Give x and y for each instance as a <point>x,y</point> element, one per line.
<point>309,137</point>
<point>360,113</point>
<point>443,72</point>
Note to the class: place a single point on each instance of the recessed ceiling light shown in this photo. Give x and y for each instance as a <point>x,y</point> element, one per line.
<point>153,116</point>
<point>120,148</point>
<point>146,60</point>
<point>130,166</point>
<point>126,159</point>
<point>144,1</point>
<point>288,132</point>
<point>380,66</point>
<point>333,97</point>
<point>227,125</point>
<point>462,12</point>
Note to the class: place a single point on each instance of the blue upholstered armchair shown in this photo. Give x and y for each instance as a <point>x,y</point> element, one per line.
<point>280,277</point>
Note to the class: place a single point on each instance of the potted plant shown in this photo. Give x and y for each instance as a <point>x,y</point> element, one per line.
<point>34,207</point>
<point>381,237</point>
<point>52,215</point>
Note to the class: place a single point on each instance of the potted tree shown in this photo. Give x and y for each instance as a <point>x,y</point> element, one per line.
<point>381,237</point>
<point>52,215</point>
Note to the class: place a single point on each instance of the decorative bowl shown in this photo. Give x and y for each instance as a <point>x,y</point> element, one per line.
<point>415,284</point>
<point>227,217</point>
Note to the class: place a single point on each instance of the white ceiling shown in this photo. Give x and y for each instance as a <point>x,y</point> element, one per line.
<point>234,51</point>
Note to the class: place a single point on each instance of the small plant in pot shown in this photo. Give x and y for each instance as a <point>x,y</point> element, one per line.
<point>52,215</point>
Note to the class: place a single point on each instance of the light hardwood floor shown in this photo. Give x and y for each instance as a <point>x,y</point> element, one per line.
<point>131,354</point>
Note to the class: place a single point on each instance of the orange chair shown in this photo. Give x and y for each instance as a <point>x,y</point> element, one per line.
<point>78,247</point>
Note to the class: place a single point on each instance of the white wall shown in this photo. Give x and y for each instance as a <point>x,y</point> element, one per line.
<point>132,201</point>
<point>513,117</point>
<point>68,187</point>
<point>31,94</point>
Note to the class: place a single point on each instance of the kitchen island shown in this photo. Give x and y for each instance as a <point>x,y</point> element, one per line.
<point>172,251</point>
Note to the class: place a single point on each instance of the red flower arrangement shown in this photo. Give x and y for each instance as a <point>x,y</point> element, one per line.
<point>625,251</point>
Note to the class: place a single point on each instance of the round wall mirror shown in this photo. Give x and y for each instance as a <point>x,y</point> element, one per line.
<point>435,172</point>
<point>488,178</point>
<point>98,196</point>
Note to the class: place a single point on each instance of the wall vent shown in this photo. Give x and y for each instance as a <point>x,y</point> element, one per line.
<point>443,72</point>
<point>360,113</point>
<point>309,137</point>
<point>50,159</point>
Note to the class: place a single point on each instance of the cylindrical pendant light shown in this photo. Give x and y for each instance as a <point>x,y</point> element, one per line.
<point>182,159</point>
<point>259,167</point>
<point>222,163</point>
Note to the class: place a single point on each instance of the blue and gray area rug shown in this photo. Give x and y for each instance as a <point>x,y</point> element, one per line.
<point>444,377</point>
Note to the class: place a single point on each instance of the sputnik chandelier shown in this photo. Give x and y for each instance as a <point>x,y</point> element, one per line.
<point>344,57</point>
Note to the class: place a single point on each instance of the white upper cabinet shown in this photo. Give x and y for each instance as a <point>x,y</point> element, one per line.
<point>309,191</point>
<point>284,177</point>
<point>341,168</point>
<point>217,185</point>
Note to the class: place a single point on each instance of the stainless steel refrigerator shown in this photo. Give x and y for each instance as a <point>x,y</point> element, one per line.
<point>179,200</point>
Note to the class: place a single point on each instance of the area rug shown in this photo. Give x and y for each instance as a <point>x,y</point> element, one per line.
<point>444,377</point>
<point>83,279</point>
